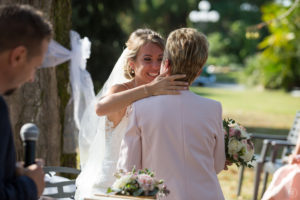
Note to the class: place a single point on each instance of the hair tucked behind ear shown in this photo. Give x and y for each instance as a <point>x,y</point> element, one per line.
<point>136,40</point>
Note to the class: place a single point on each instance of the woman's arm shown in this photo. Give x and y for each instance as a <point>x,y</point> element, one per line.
<point>297,148</point>
<point>119,98</point>
<point>295,156</point>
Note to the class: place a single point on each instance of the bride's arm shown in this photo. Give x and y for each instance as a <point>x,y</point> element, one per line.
<point>118,98</point>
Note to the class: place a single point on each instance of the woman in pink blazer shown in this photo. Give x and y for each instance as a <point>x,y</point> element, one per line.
<point>286,180</point>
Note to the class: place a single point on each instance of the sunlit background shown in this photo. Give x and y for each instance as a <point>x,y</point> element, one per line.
<point>248,36</point>
<point>253,67</point>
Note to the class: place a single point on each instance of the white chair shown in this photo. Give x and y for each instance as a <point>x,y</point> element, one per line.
<point>58,186</point>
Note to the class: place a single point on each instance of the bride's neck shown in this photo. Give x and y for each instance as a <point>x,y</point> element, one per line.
<point>132,83</point>
<point>136,83</point>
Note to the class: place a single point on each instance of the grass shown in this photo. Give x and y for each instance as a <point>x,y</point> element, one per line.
<point>253,108</point>
<point>229,180</point>
<point>268,112</point>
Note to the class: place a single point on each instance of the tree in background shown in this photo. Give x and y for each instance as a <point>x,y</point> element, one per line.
<point>228,34</point>
<point>109,23</point>
<point>98,20</point>
<point>277,66</point>
<point>228,43</point>
<point>43,102</point>
<point>160,15</point>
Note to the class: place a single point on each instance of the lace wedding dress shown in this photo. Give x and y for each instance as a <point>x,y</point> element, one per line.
<point>113,138</point>
<point>100,141</point>
<point>103,174</point>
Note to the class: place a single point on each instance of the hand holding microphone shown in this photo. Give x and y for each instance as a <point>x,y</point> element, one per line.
<point>29,135</point>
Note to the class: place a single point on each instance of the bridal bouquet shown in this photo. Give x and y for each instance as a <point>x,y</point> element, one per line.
<point>138,183</point>
<point>238,146</point>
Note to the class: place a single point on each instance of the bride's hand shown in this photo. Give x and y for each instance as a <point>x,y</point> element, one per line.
<point>163,84</point>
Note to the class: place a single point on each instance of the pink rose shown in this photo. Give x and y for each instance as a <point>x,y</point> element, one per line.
<point>237,133</point>
<point>234,132</point>
<point>231,132</point>
<point>146,182</point>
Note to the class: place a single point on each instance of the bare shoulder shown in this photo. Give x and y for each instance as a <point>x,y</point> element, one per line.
<point>119,88</point>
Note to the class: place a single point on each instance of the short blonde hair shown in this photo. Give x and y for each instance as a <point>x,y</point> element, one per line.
<point>187,51</point>
<point>137,39</point>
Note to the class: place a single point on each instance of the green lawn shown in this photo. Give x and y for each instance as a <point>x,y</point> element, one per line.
<point>253,108</point>
<point>270,112</point>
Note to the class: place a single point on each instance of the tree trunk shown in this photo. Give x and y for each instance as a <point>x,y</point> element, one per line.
<point>43,102</point>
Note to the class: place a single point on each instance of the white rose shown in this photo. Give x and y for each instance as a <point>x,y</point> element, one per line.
<point>121,182</point>
<point>248,154</point>
<point>234,146</point>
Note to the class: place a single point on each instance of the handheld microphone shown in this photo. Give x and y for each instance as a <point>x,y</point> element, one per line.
<point>29,135</point>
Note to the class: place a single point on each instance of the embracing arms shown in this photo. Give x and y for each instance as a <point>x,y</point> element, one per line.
<point>118,98</point>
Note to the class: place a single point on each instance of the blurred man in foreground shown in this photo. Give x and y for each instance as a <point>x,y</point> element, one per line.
<point>24,39</point>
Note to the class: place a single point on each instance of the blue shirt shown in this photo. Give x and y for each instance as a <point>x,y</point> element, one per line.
<point>12,187</point>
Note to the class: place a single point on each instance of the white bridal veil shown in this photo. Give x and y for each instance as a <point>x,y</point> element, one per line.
<point>91,127</point>
<point>92,133</point>
<point>80,79</point>
<point>91,124</point>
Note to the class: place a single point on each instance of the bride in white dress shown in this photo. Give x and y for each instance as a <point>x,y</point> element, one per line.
<point>135,76</point>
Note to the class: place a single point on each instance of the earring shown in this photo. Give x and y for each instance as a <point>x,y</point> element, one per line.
<point>132,71</point>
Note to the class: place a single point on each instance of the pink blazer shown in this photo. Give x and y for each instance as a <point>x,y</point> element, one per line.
<point>180,138</point>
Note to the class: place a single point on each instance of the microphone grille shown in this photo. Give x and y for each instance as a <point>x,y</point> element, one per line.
<point>29,132</point>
